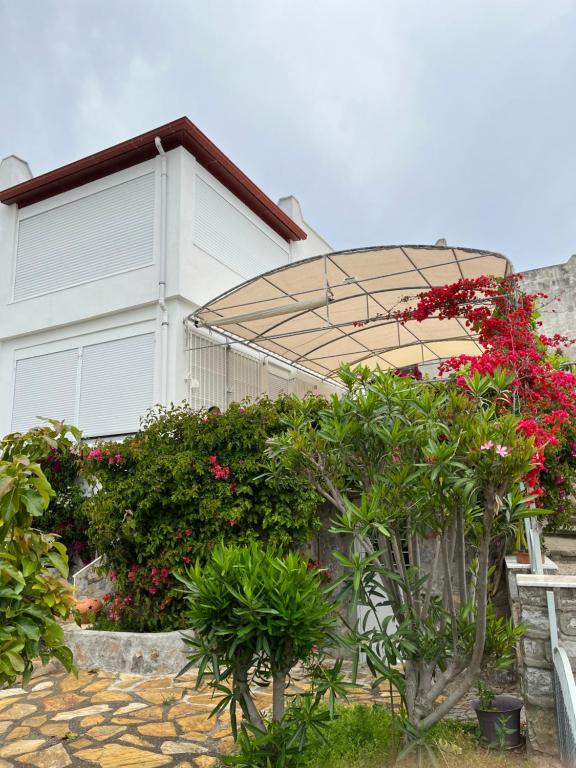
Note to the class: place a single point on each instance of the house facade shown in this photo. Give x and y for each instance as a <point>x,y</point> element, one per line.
<point>102,262</point>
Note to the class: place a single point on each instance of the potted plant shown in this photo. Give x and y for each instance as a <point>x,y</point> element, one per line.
<point>521,546</point>
<point>498,718</point>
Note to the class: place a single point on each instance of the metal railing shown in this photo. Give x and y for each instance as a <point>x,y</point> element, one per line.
<point>564,685</point>
<point>565,701</point>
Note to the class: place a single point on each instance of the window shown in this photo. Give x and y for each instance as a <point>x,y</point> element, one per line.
<point>102,388</point>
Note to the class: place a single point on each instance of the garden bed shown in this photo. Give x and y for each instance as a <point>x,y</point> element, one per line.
<point>139,653</point>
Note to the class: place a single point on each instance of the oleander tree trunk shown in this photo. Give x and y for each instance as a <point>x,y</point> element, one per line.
<point>409,466</point>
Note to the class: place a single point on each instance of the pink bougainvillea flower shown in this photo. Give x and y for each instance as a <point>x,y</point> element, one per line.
<point>502,450</point>
<point>232,521</point>
<point>487,446</point>
<point>213,460</point>
<point>96,454</point>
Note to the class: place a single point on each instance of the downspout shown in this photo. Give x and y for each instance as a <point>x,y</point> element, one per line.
<point>163,352</point>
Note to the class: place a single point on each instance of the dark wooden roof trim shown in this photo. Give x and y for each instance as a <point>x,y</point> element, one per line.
<point>179,133</point>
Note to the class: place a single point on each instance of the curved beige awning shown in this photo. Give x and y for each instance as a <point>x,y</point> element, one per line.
<point>339,308</point>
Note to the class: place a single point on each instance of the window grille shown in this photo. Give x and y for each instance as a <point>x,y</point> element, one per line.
<point>245,376</point>
<point>207,372</point>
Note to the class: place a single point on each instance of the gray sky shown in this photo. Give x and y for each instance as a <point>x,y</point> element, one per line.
<point>393,121</point>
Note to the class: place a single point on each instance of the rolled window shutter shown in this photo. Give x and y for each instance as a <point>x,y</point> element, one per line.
<point>225,232</point>
<point>117,385</point>
<point>45,386</point>
<point>98,235</point>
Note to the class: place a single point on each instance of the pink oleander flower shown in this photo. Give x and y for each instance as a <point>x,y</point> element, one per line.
<point>487,446</point>
<point>502,450</point>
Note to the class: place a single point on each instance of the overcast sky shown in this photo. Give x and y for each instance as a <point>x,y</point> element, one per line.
<point>393,121</point>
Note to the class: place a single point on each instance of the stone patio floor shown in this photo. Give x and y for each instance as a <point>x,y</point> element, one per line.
<point>120,721</point>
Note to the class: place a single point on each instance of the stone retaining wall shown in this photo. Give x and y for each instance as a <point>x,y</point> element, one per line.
<point>529,607</point>
<point>145,653</point>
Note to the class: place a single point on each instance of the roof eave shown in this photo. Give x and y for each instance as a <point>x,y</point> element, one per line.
<point>181,132</point>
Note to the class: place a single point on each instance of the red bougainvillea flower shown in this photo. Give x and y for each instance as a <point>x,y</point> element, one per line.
<point>503,319</point>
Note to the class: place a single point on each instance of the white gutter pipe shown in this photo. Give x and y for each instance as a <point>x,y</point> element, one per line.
<point>163,351</point>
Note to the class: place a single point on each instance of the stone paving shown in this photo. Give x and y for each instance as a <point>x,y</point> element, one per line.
<point>120,721</point>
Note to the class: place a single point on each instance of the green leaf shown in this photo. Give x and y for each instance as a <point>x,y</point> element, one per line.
<point>58,562</point>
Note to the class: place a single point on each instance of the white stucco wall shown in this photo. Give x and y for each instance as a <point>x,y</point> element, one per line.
<point>213,242</point>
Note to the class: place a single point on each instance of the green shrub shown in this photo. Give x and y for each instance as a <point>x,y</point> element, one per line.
<point>59,450</point>
<point>32,597</point>
<point>255,614</point>
<point>183,483</point>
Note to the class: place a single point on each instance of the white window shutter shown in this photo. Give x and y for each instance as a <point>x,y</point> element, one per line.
<point>116,386</point>
<point>278,381</point>
<point>45,386</point>
<point>98,235</point>
<point>225,232</point>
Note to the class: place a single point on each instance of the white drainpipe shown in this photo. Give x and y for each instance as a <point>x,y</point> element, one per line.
<point>163,351</point>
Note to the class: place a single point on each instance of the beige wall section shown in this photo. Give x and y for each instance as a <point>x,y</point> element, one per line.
<point>558,282</point>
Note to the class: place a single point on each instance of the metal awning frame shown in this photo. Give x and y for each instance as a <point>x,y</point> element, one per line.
<point>280,329</point>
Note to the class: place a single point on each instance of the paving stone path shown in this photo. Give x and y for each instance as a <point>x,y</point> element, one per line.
<point>119,721</point>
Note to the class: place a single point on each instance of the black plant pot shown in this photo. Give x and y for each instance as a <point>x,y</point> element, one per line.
<point>500,726</point>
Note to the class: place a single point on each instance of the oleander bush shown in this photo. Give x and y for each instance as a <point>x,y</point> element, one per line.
<point>256,613</point>
<point>186,481</point>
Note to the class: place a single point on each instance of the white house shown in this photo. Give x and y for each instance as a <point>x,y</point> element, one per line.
<point>103,259</point>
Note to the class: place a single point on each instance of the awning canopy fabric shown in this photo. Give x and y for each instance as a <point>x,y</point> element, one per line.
<point>340,308</point>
